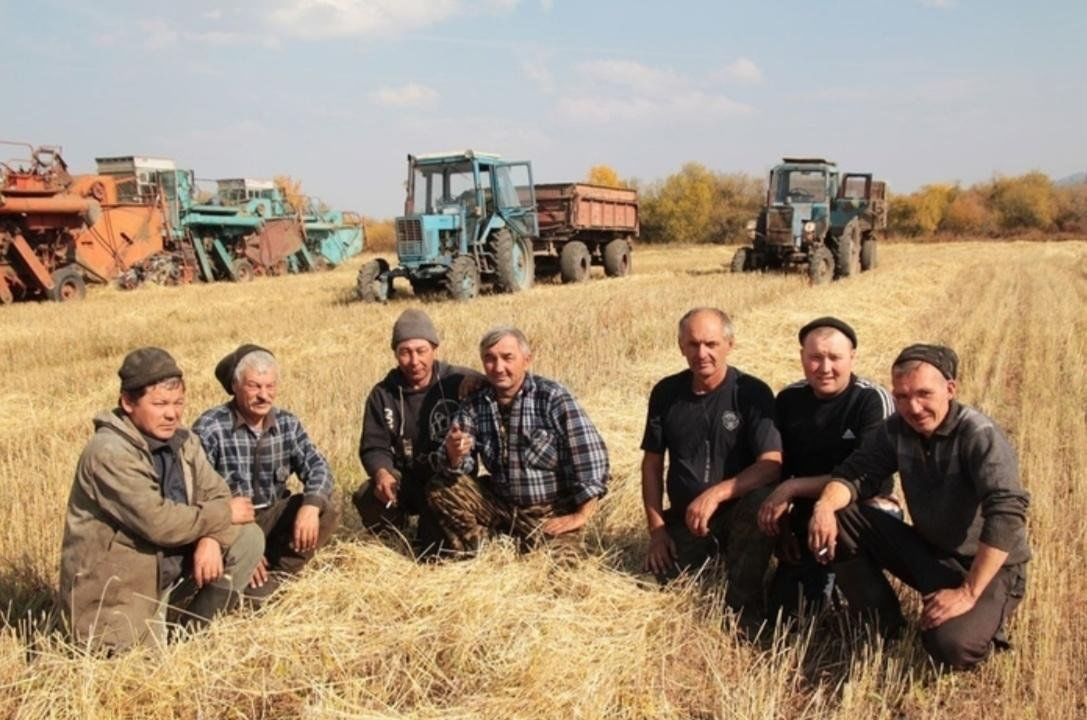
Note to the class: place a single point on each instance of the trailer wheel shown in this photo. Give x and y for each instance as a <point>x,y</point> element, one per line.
<point>869,253</point>
<point>820,265</point>
<point>68,284</point>
<point>513,262</point>
<point>574,262</point>
<point>372,284</point>
<point>741,260</point>
<point>847,256</point>
<point>243,270</point>
<point>617,258</point>
<point>462,280</point>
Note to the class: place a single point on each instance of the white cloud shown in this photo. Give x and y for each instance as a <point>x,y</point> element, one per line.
<point>411,95</point>
<point>743,70</point>
<point>627,91</point>
<point>328,18</point>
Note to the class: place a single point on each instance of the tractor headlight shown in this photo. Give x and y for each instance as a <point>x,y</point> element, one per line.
<point>750,228</point>
<point>809,229</point>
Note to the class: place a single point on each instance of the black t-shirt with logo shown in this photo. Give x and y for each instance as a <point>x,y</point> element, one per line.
<point>712,437</point>
<point>817,434</point>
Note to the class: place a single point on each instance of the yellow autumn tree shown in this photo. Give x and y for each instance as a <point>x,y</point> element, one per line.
<point>604,175</point>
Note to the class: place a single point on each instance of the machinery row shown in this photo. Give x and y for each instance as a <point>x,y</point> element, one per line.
<point>141,219</point>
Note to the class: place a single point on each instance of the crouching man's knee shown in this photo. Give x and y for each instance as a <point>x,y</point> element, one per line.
<point>954,647</point>
<point>243,555</point>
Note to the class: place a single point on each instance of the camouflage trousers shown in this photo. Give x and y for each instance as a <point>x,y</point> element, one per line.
<point>735,535</point>
<point>468,512</point>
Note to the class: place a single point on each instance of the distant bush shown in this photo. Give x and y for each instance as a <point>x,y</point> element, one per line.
<point>698,205</point>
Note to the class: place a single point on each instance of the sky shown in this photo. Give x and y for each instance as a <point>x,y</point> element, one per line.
<point>336,93</point>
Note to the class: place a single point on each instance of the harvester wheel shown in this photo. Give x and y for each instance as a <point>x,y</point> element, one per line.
<point>372,284</point>
<point>820,265</point>
<point>869,253</point>
<point>617,258</point>
<point>243,270</point>
<point>847,257</point>
<point>741,260</point>
<point>574,262</point>
<point>513,262</point>
<point>462,280</point>
<point>68,284</point>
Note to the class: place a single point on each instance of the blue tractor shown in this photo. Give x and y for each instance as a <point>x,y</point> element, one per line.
<point>469,220</point>
<point>816,220</point>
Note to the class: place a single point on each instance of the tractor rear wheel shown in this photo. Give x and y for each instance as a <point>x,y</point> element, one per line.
<point>243,270</point>
<point>617,258</point>
<point>68,284</point>
<point>462,280</point>
<point>574,262</point>
<point>513,262</point>
<point>372,284</point>
<point>820,265</point>
<point>741,260</point>
<point>869,253</point>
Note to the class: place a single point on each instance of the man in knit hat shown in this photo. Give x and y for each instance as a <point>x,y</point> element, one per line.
<point>256,446</point>
<point>822,419</point>
<point>405,420</point>
<point>149,522</point>
<point>966,551</point>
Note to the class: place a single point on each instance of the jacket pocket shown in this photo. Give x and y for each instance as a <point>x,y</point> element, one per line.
<point>542,451</point>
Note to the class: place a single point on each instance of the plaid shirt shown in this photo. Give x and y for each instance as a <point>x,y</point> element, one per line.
<point>554,453</point>
<point>258,467</point>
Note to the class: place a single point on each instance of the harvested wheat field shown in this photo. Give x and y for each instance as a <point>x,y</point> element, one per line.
<point>365,632</point>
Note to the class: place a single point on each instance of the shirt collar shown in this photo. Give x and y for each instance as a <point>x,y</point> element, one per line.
<point>239,422</point>
<point>951,422</point>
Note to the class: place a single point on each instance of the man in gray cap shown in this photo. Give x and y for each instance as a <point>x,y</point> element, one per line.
<point>405,421</point>
<point>256,447</point>
<point>149,522</point>
<point>967,551</point>
<point>822,420</point>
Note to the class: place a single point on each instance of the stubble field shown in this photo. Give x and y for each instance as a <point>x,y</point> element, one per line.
<point>367,633</point>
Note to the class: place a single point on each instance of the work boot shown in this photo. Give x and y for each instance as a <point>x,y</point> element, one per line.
<point>212,600</point>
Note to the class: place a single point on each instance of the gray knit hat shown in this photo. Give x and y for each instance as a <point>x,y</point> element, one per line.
<point>414,324</point>
<point>147,366</point>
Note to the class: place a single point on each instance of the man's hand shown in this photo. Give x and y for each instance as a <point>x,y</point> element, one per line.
<point>260,573</point>
<point>705,505</point>
<point>306,523</point>
<point>563,524</point>
<point>457,445</point>
<point>662,555</point>
<point>241,510</point>
<point>823,533</point>
<point>207,561</point>
<point>386,487</point>
<point>773,508</point>
<point>942,605</point>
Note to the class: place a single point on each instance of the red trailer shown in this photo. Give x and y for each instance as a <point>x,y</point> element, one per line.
<point>583,225</point>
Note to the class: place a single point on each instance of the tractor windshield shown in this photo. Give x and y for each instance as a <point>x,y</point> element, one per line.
<point>792,186</point>
<point>443,186</point>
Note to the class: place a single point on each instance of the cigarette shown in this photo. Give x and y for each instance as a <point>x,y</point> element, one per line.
<point>823,552</point>
<point>388,504</point>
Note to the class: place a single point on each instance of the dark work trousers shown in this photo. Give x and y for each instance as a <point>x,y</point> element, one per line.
<point>734,534</point>
<point>879,540</point>
<point>468,511</point>
<point>277,522</point>
<point>410,500</point>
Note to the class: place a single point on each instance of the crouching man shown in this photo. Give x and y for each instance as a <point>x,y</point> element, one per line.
<point>256,447</point>
<point>548,464</point>
<point>966,552</point>
<point>149,521</point>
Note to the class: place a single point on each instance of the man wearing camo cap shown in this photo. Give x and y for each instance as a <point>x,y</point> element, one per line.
<point>967,551</point>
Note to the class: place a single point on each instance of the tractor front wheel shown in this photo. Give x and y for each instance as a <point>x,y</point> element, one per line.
<point>68,284</point>
<point>372,283</point>
<point>741,260</point>
<point>820,265</point>
<point>462,280</point>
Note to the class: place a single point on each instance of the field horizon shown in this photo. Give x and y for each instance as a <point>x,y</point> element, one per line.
<point>366,632</point>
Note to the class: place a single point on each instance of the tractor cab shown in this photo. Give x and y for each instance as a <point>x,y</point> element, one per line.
<point>456,201</point>
<point>799,201</point>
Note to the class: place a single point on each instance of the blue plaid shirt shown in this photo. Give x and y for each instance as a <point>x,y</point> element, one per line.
<point>281,449</point>
<point>555,454</point>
